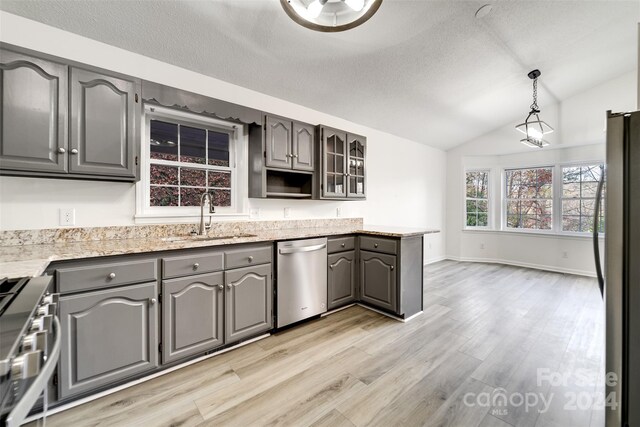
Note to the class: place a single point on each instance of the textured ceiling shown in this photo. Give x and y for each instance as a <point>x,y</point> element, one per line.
<point>425,70</point>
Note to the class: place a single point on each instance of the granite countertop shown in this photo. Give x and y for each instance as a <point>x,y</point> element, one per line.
<point>33,259</point>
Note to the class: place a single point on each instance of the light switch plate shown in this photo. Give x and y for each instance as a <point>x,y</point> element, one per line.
<point>67,216</point>
<point>338,212</point>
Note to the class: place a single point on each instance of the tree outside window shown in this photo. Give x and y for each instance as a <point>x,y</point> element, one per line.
<point>477,199</point>
<point>529,198</point>
<point>579,186</point>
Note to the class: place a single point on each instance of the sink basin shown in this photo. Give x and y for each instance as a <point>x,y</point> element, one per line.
<point>203,238</point>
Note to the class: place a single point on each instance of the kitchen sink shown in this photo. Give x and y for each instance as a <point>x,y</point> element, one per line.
<point>197,238</point>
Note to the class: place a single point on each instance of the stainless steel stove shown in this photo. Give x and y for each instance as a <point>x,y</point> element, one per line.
<point>29,344</point>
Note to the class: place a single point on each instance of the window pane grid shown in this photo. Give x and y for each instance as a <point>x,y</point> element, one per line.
<point>477,199</point>
<point>579,186</point>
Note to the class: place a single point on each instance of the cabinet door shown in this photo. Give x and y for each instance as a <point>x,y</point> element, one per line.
<point>278,142</point>
<point>107,336</point>
<point>192,315</point>
<point>334,156</point>
<point>33,120</point>
<point>378,280</point>
<point>356,165</point>
<point>303,147</point>
<point>248,302</point>
<point>102,124</point>
<point>341,275</point>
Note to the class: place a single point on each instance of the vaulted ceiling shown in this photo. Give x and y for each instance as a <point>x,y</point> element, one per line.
<point>426,70</point>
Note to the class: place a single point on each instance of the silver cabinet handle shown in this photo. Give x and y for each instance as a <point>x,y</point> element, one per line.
<point>229,286</point>
<point>61,150</point>
<point>375,245</point>
<point>331,266</point>
<point>392,267</point>
<point>153,301</point>
<point>250,259</point>
<point>220,287</point>
<point>295,156</point>
<point>196,265</point>
<point>342,245</point>
<point>74,151</point>
<point>112,275</point>
<point>303,249</point>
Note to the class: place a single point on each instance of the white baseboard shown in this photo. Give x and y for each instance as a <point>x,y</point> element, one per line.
<point>524,264</point>
<point>434,260</point>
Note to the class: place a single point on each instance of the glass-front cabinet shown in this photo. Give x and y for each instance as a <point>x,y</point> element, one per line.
<point>342,164</point>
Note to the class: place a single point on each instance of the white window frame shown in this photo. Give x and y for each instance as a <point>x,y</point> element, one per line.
<point>561,166</point>
<point>464,200</point>
<point>505,200</point>
<point>238,146</point>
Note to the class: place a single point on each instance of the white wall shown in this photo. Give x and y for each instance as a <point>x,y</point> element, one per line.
<point>580,136</point>
<point>406,180</point>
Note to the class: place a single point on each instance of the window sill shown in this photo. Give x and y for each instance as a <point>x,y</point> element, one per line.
<point>528,233</point>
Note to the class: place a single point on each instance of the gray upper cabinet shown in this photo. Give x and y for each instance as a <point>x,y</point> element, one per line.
<point>103,116</point>
<point>378,280</point>
<point>356,165</point>
<point>289,144</point>
<point>108,335</point>
<point>341,279</point>
<point>248,302</point>
<point>192,315</point>
<point>342,166</point>
<point>303,147</point>
<point>33,120</point>
<point>333,152</point>
<point>278,142</point>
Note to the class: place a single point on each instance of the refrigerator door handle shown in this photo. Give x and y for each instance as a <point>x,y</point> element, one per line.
<point>596,241</point>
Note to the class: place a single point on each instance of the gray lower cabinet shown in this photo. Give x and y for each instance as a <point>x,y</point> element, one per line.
<point>192,315</point>
<point>33,119</point>
<point>248,302</point>
<point>378,280</point>
<point>341,279</point>
<point>107,336</point>
<point>103,116</point>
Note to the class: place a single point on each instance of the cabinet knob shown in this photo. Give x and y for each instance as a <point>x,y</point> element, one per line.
<point>392,267</point>
<point>375,245</point>
<point>61,150</point>
<point>112,276</point>
<point>196,265</point>
<point>153,301</point>
<point>220,287</point>
<point>342,245</point>
<point>295,156</point>
<point>74,151</point>
<point>250,259</point>
<point>331,266</point>
<point>229,286</point>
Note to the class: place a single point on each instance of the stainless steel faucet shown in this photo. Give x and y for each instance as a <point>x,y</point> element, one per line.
<point>212,209</point>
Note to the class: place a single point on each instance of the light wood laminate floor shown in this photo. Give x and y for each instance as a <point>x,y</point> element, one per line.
<point>487,330</point>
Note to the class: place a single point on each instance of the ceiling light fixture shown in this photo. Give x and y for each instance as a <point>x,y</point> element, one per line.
<point>330,15</point>
<point>534,128</point>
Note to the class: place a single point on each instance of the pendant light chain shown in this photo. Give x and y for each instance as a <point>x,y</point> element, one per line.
<point>534,106</point>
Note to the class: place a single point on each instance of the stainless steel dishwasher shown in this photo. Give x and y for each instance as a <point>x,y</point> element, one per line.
<point>302,280</point>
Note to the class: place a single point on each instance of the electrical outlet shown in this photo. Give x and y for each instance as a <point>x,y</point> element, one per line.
<point>565,254</point>
<point>254,212</point>
<point>287,212</point>
<point>481,245</point>
<point>338,212</point>
<point>67,216</point>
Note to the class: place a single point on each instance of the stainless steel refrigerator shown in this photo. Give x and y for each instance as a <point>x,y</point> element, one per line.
<point>621,277</point>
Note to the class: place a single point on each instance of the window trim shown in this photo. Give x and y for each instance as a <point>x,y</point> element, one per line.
<point>237,160</point>
<point>464,200</point>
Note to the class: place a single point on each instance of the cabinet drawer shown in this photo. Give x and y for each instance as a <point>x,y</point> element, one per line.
<point>72,279</point>
<point>247,256</point>
<point>192,264</point>
<point>377,244</point>
<point>341,244</point>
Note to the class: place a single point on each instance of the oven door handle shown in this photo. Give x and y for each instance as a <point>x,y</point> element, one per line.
<point>21,410</point>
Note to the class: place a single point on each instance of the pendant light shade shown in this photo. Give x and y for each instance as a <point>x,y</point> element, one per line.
<point>330,15</point>
<point>533,127</point>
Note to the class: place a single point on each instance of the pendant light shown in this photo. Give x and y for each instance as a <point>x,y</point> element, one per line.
<point>330,15</point>
<point>534,128</point>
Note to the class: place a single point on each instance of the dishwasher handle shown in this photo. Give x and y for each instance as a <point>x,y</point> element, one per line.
<point>284,251</point>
